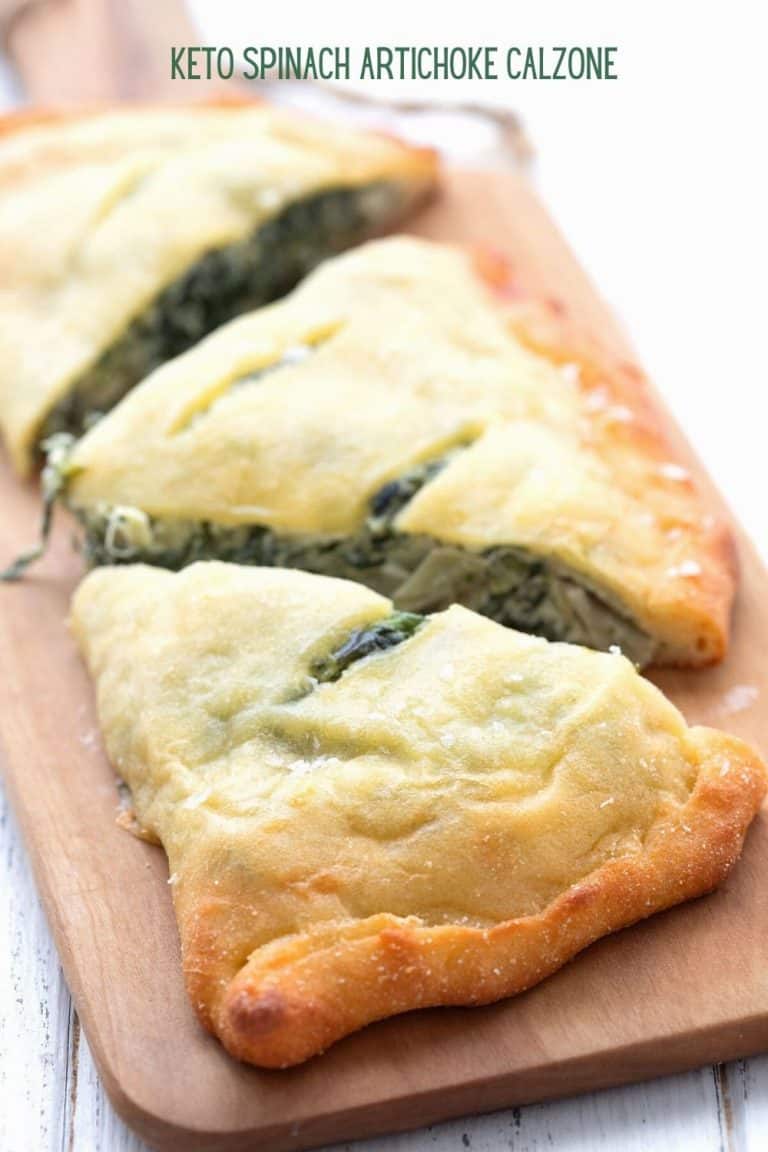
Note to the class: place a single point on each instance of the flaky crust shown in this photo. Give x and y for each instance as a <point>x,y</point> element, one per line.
<point>448,823</point>
<point>291,1002</point>
<point>561,453</point>
<point>102,209</point>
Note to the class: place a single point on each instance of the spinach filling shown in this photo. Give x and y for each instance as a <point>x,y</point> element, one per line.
<point>419,573</point>
<point>221,284</point>
<point>377,637</point>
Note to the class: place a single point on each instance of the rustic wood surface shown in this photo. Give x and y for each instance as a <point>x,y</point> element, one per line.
<point>688,987</point>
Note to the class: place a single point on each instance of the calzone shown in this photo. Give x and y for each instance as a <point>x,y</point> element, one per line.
<point>368,811</point>
<point>126,234</point>
<point>398,422</point>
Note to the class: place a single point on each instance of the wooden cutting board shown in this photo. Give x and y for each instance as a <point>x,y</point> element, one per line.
<point>686,988</point>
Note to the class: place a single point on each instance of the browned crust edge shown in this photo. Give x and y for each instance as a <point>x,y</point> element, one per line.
<point>20,119</point>
<point>700,613</point>
<point>296,996</point>
<point>423,161</point>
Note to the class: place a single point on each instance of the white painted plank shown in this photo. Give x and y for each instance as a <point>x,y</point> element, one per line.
<point>94,1126</point>
<point>35,1019</point>
<point>747,1102</point>
<point>679,1112</point>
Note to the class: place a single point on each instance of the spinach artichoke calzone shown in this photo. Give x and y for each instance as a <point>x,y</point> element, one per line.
<point>127,235</point>
<point>367,811</point>
<point>394,421</point>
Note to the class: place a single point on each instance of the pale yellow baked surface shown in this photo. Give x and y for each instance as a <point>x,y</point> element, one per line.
<point>447,823</point>
<point>100,212</point>
<point>414,355</point>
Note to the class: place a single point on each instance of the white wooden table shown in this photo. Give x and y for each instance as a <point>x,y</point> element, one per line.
<point>648,256</point>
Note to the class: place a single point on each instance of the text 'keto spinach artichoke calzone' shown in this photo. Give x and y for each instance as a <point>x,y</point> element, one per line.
<point>367,811</point>
<point>127,235</point>
<point>393,421</point>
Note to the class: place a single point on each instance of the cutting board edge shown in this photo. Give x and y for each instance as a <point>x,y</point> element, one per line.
<point>635,1064</point>
<point>742,1037</point>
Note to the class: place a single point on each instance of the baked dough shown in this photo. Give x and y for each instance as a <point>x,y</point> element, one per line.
<point>446,821</point>
<point>127,234</point>
<point>396,421</point>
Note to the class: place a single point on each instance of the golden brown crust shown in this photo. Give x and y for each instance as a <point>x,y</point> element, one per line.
<point>447,822</point>
<point>292,1000</point>
<point>613,384</point>
<point>709,598</point>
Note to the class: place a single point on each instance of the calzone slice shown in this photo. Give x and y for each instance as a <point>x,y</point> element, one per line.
<point>394,421</point>
<point>127,234</point>
<point>368,811</point>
